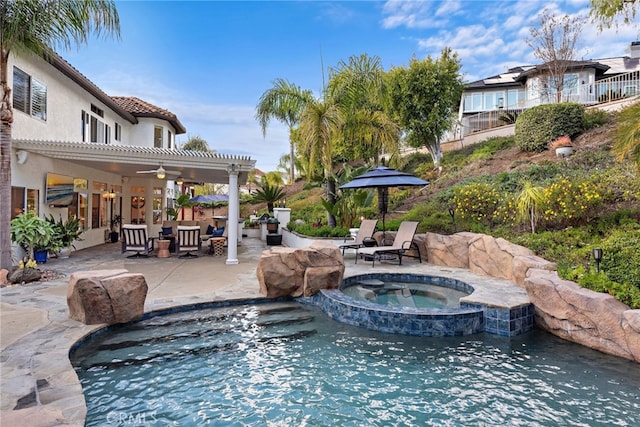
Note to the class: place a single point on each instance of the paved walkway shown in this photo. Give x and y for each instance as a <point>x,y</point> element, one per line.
<point>36,333</point>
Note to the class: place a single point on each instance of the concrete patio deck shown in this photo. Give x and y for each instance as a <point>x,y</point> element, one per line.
<point>36,332</point>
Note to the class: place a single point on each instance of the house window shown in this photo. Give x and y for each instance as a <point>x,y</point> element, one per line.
<point>29,95</point>
<point>97,111</point>
<point>157,137</point>
<point>157,205</point>
<point>97,130</point>
<point>107,134</point>
<point>515,98</point>
<point>84,125</point>
<point>78,208</point>
<point>169,140</point>
<point>118,136</point>
<point>473,102</point>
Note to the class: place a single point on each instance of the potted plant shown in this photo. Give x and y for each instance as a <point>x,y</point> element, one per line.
<point>65,233</point>
<point>115,222</point>
<point>33,234</point>
<point>563,146</point>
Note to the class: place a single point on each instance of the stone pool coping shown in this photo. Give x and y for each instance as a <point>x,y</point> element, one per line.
<point>39,355</point>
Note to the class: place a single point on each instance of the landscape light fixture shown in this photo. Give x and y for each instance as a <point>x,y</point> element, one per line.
<point>597,256</point>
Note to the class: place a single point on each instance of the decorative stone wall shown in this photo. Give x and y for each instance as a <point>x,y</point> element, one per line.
<point>294,272</point>
<point>562,307</point>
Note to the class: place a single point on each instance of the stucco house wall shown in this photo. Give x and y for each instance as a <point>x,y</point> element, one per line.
<point>65,101</point>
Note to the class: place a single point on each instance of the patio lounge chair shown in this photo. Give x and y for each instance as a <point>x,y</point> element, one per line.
<point>188,240</point>
<point>135,238</point>
<point>367,227</point>
<point>401,243</point>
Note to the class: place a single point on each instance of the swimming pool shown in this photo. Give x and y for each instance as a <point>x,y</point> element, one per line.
<point>288,364</point>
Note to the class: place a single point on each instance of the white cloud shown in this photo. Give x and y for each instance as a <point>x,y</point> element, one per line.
<point>450,7</point>
<point>410,14</point>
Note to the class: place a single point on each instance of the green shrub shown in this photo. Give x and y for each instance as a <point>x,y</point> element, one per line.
<point>621,256</point>
<point>600,282</point>
<point>569,247</point>
<point>594,117</point>
<point>307,229</point>
<point>538,126</point>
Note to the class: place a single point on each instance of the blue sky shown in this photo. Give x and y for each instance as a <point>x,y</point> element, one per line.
<point>209,61</point>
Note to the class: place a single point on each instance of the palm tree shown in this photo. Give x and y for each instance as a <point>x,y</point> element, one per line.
<point>358,87</point>
<point>269,194</point>
<point>284,102</point>
<point>39,26</point>
<point>320,124</point>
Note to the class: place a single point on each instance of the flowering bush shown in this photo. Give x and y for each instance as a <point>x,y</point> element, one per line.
<point>477,201</point>
<point>568,202</point>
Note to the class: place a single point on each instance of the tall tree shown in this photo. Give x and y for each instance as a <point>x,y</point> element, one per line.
<point>320,126</point>
<point>197,143</point>
<point>554,43</point>
<point>283,102</point>
<point>424,97</point>
<point>39,26</point>
<point>357,86</point>
<point>606,11</point>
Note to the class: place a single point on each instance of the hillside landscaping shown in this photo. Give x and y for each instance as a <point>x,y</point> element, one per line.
<point>560,207</point>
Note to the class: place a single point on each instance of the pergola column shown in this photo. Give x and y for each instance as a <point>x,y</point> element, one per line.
<point>234,214</point>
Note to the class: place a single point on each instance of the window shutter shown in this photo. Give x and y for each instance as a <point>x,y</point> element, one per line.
<point>21,90</point>
<point>38,100</point>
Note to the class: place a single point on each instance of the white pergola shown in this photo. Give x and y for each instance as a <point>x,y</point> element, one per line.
<point>126,160</point>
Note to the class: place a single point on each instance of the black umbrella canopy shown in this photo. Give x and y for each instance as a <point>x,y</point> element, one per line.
<point>383,176</point>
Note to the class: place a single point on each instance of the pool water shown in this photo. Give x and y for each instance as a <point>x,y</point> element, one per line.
<point>289,364</point>
<point>405,294</point>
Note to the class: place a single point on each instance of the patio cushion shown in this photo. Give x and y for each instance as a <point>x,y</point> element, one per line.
<point>217,233</point>
<point>210,230</point>
<point>167,231</point>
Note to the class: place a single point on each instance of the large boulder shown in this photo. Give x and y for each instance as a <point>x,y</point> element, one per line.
<point>295,272</point>
<point>493,257</point>
<point>106,296</point>
<point>450,251</point>
<point>583,316</point>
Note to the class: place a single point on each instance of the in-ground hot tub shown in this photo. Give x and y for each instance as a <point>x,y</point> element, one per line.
<point>414,304</point>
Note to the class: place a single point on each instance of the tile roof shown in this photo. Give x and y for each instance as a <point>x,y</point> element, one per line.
<point>139,108</point>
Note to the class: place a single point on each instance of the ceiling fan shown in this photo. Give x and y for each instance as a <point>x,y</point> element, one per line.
<point>161,172</point>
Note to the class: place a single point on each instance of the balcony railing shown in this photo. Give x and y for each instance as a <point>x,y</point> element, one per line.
<point>603,91</point>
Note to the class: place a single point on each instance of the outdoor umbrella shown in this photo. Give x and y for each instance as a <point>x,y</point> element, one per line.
<point>209,198</point>
<point>382,178</point>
